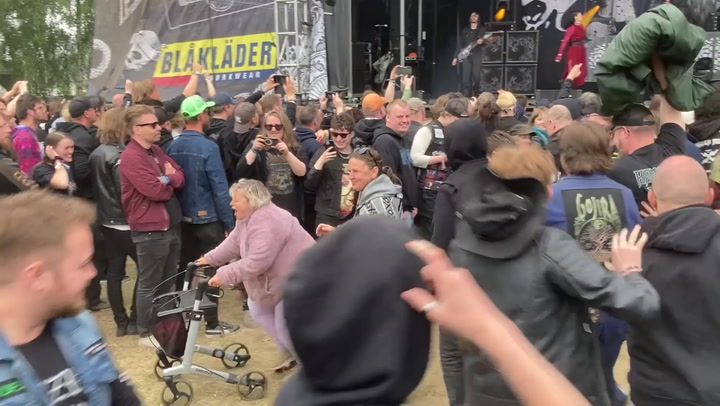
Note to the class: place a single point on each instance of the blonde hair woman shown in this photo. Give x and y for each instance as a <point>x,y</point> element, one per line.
<point>268,241</point>
<point>273,160</point>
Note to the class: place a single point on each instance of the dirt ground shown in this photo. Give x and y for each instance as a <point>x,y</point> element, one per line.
<point>139,362</point>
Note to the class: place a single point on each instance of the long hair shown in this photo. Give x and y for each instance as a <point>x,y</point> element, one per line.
<point>373,160</point>
<point>568,19</point>
<point>112,127</point>
<point>288,136</point>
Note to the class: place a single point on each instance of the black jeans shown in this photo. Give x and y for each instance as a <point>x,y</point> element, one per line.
<point>92,294</point>
<point>158,253</point>
<point>471,74</point>
<point>118,246</point>
<point>452,367</point>
<point>198,240</point>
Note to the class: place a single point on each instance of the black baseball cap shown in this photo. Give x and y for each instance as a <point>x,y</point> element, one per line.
<point>79,105</point>
<point>457,108</point>
<point>634,115</point>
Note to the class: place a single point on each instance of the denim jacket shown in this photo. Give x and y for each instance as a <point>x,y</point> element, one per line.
<point>81,344</point>
<point>205,197</point>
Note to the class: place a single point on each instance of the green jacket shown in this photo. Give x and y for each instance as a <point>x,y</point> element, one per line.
<point>623,73</point>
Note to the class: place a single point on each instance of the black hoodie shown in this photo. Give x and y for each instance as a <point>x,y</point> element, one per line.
<point>675,359</point>
<point>358,342</point>
<point>707,131</point>
<point>395,155</point>
<point>365,130</point>
<point>465,143</point>
<point>85,143</point>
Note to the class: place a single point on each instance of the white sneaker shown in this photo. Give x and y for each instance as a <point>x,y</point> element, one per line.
<point>286,361</point>
<point>148,341</point>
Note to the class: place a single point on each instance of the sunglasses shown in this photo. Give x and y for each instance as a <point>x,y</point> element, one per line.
<point>153,125</point>
<point>276,127</point>
<point>339,134</point>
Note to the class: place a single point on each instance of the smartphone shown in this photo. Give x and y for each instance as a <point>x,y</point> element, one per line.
<point>279,79</point>
<point>404,70</point>
<point>329,142</point>
<point>329,95</point>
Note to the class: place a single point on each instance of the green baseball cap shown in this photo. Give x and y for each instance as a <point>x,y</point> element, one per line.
<point>193,106</point>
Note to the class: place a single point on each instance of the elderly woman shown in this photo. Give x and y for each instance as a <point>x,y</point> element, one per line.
<point>268,240</point>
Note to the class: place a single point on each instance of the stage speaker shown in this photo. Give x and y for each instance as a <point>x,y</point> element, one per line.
<point>491,77</point>
<point>493,52</point>
<point>521,78</point>
<point>522,46</point>
<point>360,67</point>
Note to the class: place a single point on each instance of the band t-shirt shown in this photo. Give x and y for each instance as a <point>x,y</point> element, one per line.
<point>636,171</point>
<point>58,380</point>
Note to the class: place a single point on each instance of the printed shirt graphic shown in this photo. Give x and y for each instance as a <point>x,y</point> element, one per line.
<point>347,194</point>
<point>62,386</point>
<point>592,209</point>
<point>280,176</point>
<point>708,150</point>
<point>593,217</point>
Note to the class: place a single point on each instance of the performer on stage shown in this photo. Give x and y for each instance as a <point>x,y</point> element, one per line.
<point>574,41</point>
<point>470,38</point>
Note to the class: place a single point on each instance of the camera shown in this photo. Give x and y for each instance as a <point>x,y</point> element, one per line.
<point>270,142</point>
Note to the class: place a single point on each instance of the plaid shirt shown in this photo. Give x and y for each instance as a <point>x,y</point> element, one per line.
<point>27,148</point>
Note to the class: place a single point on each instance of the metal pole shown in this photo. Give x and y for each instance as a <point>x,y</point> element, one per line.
<point>419,39</point>
<point>402,32</point>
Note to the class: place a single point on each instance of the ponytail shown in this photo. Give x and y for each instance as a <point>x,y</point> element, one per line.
<point>390,174</point>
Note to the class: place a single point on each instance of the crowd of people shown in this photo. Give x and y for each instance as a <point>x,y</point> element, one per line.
<point>540,236</point>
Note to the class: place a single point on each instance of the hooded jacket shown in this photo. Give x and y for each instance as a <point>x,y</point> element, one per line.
<point>308,141</point>
<point>465,143</point>
<point>706,130</point>
<point>674,359</point>
<point>376,359</point>
<point>380,197</point>
<point>396,156</point>
<point>85,144</point>
<point>542,280</point>
<point>365,130</point>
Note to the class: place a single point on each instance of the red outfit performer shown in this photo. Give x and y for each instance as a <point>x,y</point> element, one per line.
<point>574,42</point>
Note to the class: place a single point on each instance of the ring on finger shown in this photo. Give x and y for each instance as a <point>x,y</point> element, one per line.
<point>428,307</point>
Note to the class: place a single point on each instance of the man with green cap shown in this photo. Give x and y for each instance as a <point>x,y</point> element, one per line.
<point>205,201</point>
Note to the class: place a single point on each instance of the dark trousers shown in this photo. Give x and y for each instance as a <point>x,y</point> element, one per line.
<point>198,240</point>
<point>470,68</point>
<point>325,219</point>
<point>92,294</point>
<point>424,226</point>
<point>158,253</point>
<point>310,214</point>
<point>452,367</point>
<point>611,334</point>
<point>118,246</point>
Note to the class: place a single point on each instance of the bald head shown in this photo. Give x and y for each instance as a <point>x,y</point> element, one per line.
<point>117,100</point>
<point>558,117</point>
<point>678,182</point>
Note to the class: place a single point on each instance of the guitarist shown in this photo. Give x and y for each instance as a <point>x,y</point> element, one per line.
<point>471,66</point>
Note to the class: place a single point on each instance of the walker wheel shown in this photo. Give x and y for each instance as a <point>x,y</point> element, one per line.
<point>182,395</point>
<point>252,386</point>
<point>239,349</point>
<point>159,367</point>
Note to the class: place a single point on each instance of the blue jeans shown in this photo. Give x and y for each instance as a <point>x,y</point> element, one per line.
<point>612,334</point>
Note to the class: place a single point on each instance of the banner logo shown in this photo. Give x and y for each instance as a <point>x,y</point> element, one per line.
<point>248,57</point>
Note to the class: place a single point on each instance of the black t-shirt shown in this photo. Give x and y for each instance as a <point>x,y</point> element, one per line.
<point>58,380</point>
<point>43,174</point>
<point>636,171</point>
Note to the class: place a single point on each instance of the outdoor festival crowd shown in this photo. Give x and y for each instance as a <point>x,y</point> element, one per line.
<point>540,237</point>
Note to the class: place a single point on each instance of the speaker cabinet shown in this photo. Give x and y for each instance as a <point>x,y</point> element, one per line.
<point>521,78</point>
<point>491,77</point>
<point>522,46</point>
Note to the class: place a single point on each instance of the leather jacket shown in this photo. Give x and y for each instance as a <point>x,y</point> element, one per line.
<point>546,292</point>
<point>105,168</point>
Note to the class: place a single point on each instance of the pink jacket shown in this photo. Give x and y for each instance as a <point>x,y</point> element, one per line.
<point>269,242</point>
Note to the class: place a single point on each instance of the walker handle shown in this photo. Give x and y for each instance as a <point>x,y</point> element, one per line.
<point>190,271</point>
<point>201,288</point>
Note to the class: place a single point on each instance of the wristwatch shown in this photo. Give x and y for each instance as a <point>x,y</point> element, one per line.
<point>197,72</point>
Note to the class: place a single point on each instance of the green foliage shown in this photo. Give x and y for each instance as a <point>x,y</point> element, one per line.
<point>48,43</point>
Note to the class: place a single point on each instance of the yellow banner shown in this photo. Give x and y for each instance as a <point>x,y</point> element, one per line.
<point>224,56</point>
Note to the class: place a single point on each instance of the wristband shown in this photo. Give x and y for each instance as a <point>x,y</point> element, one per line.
<point>164,179</point>
<point>256,152</point>
<point>631,269</point>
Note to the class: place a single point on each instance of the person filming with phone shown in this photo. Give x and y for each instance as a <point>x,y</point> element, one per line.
<point>273,159</point>
<point>329,176</point>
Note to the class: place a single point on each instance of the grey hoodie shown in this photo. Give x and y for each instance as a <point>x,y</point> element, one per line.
<point>380,197</point>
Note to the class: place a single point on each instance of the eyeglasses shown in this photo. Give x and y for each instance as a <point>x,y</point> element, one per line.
<point>276,127</point>
<point>339,134</point>
<point>153,125</point>
<point>361,150</point>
